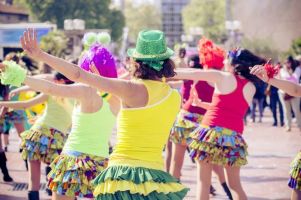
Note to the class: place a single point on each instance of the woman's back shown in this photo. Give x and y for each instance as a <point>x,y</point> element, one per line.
<point>142,132</point>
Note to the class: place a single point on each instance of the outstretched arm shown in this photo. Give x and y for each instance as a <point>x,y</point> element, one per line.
<point>291,88</point>
<point>21,105</point>
<point>212,76</point>
<point>122,88</point>
<point>75,91</point>
<point>19,90</point>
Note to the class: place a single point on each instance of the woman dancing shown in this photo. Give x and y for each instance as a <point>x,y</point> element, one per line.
<point>218,140</point>
<point>149,108</point>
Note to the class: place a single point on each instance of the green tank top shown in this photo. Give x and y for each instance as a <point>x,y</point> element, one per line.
<point>91,132</point>
<point>57,114</point>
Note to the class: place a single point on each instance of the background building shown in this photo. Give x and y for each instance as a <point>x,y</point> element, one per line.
<point>172,25</point>
<point>10,13</point>
<point>277,21</point>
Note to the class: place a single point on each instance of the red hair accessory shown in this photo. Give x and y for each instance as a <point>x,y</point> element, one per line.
<point>271,70</point>
<point>210,54</point>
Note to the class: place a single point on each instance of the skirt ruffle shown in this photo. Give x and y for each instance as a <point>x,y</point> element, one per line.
<point>42,143</point>
<point>185,123</point>
<point>218,146</point>
<point>73,175</point>
<point>127,182</point>
<point>295,173</point>
<point>15,116</point>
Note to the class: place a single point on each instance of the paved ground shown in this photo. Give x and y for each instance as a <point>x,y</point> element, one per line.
<point>265,177</point>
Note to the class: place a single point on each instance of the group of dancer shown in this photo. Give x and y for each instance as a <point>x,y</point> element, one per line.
<point>149,113</point>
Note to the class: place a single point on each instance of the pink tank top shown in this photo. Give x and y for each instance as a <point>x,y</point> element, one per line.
<point>205,92</point>
<point>228,110</point>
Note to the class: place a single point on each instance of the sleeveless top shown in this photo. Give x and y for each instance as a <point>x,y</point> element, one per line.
<point>91,132</point>
<point>57,114</point>
<point>228,110</point>
<point>205,92</point>
<point>142,132</point>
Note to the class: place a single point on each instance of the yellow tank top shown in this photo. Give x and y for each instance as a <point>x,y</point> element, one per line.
<point>143,132</point>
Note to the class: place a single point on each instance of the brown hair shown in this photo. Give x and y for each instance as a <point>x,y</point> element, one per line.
<point>144,71</point>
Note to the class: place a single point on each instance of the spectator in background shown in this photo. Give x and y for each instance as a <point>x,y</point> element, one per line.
<point>258,99</point>
<point>274,101</point>
<point>180,60</point>
<point>289,73</point>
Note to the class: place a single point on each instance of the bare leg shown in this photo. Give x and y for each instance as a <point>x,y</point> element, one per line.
<point>233,177</point>
<point>219,171</point>
<point>204,175</point>
<point>168,152</point>
<point>34,175</point>
<point>61,197</point>
<point>6,141</point>
<point>19,127</point>
<point>296,195</point>
<point>177,159</point>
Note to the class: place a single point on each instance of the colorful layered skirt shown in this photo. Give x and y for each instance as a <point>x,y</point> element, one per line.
<point>16,116</point>
<point>42,143</point>
<point>185,123</point>
<point>295,173</point>
<point>217,145</point>
<point>134,180</point>
<point>72,173</point>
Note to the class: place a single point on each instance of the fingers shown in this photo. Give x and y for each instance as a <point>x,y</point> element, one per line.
<point>256,69</point>
<point>94,69</point>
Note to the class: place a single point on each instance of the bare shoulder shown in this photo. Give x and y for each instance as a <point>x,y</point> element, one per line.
<point>250,87</point>
<point>249,91</point>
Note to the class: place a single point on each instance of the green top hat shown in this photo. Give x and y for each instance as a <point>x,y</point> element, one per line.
<point>151,46</point>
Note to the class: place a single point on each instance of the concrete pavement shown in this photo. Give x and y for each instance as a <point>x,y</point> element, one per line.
<point>271,150</point>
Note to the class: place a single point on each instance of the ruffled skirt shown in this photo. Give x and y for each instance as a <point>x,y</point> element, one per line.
<point>185,123</point>
<point>72,174</point>
<point>295,173</point>
<point>42,143</point>
<point>128,182</point>
<point>218,146</point>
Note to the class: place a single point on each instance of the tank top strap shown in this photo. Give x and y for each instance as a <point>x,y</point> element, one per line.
<point>241,82</point>
<point>155,94</point>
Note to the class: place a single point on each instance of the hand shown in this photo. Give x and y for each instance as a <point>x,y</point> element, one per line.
<point>29,42</point>
<point>194,96</point>
<point>2,67</point>
<point>260,72</point>
<point>93,69</point>
<point>12,94</point>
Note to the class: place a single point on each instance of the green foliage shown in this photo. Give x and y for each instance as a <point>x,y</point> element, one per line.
<point>208,14</point>
<point>138,18</point>
<point>261,47</point>
<point>54,43</point>
<point>296,47</point>
<point>96,13</point>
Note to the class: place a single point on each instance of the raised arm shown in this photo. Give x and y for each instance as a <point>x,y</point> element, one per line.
<point>122,88</point>
<point>291,88</point>
<point>21,105</point>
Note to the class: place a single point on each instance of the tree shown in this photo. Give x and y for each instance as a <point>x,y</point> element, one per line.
<point>138,18</point>
<point>208,14</point>
<point>296,47</point>
<point>54,43</point>
<point>96,13</point>
<point>262,47</point>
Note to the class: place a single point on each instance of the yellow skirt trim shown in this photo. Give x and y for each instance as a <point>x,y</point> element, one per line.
<point>112,186</point>
<point>135,163</point>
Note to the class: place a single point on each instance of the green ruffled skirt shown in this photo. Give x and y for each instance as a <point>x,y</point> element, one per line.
<point>137,183</point>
